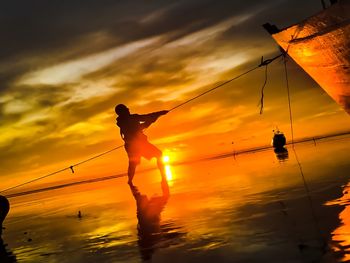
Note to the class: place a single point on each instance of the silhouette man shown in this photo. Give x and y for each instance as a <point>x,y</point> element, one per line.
<point>136,143</point>
<point>150,232</point>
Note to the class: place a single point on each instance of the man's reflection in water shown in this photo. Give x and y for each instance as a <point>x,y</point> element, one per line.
<point>151,233</point>
<point>281,154</point>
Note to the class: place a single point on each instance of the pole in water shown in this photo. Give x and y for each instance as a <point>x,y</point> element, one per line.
<point>4,209</point>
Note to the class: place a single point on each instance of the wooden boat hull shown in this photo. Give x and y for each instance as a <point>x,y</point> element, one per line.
<point>321,46</point>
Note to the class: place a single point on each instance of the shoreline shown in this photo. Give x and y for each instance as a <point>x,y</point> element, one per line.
<point>215,157</point>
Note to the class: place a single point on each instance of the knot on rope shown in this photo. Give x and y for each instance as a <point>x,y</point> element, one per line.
<point>269,60</point>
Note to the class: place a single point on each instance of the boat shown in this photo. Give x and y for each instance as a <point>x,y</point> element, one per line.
<point>320,45</point>
<point>278,139</point>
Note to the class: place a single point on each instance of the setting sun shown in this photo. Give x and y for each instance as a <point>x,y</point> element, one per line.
<point>166,159</point>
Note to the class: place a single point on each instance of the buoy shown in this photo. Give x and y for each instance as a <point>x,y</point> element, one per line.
<point>278,139</point>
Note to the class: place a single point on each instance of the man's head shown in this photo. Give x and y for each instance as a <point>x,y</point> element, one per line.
<point>121,109</point>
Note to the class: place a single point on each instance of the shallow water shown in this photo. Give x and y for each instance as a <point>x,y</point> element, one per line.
<point>257,207</point>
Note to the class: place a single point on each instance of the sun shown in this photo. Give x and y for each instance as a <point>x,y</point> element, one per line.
<point>166,159</point>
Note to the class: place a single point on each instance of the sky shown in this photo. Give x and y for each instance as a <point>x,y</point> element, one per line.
<point>64,65</point>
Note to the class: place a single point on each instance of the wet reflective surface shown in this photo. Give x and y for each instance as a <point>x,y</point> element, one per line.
<point>256,207</point>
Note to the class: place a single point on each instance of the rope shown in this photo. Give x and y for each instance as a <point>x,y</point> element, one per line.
<point>289,104</point>
<point>61,170</point>
<point>262,92</point>
<point>307,190</point>
<point>263,63</point>
<point>311,204</point>
<point>71,168</point>
<point>99,155</point>
<point>214,88</point>
<point>266,63</point>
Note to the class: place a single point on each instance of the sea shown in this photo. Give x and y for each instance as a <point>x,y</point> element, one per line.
<point>290,205</point>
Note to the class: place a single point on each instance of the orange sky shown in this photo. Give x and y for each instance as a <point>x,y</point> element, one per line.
<point>63,75</point>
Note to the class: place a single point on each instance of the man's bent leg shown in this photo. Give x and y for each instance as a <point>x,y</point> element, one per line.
<point>149,151</point>
<point>131,171</point>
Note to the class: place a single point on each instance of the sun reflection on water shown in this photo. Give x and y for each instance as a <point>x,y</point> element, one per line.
<point>167,167</point>
<point>168,173</point>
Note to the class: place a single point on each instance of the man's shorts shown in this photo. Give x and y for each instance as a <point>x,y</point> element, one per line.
<point>141,148</point>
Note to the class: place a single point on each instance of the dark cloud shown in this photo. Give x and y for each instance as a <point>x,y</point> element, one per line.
<point>40,26</point>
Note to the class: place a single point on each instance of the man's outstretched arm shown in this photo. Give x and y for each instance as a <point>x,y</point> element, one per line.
<point>148,119</point>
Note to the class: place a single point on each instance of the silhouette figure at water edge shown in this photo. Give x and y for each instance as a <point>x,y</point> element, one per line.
<point>136,142</point>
